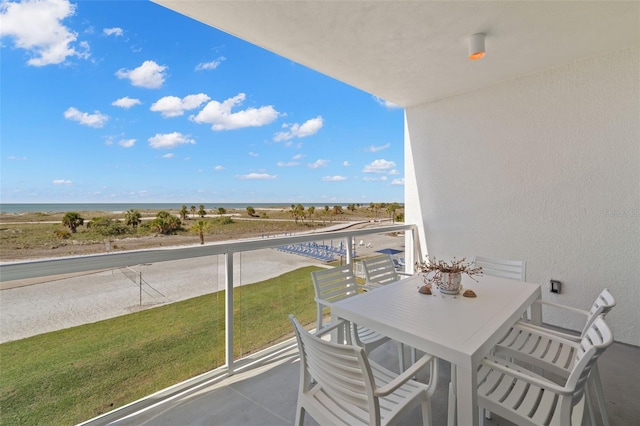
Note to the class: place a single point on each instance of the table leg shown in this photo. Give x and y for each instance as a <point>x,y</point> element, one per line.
<point>467,396</point>
<point>338,335</point>
<point>536,313</point>
<point>451,415</point>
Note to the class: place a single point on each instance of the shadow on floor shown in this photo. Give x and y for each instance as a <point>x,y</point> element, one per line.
<point>264,393</point>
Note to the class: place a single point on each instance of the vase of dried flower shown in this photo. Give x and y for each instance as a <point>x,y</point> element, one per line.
<point>450,282</point>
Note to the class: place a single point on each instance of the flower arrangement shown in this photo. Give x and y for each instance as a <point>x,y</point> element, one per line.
<point>440,267</point>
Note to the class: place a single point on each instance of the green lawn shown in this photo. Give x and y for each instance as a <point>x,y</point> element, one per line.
<point>72,375</point>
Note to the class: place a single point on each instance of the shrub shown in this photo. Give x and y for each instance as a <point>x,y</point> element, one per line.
<point>165,223</point>
<point>106,227</point>
<point>223,220</point>
<point>63,234</point>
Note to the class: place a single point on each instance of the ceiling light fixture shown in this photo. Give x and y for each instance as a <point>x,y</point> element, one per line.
<point>476,46</point>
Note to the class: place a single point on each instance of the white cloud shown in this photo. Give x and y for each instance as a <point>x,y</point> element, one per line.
<point>205,66</point>
<point>61,182</point>
<point>379,166</point>
<point>127,143</point>
<point>169,140</point>
<point>172,106</point>
<point>334,178</point>
<point>92,120</point>
<point>115,31</point>
<point>258,176</point>
<point>219,115</point>
<point>318,163</point>
<point>394,172</point>
<point>386,104</point>
<point>298,157</point>
<point>14,158</point>
<point>346,163</point>
<point>288,163</point>
<point>169,155</point>
<point>397,182</point>
<point>126,102</point>
<point>218,168</point>
<point>373,148</point>
<point>36,26</point>
<point>308,128</point>
<point>252,154</point>
<point>374,179</point>
<point>148,75</point>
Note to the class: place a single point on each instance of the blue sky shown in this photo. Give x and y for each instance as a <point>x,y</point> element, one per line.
<point>105,101</point>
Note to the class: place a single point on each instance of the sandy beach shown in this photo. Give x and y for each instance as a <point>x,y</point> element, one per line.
<point>33,309</point>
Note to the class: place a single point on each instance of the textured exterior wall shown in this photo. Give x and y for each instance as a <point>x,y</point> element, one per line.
<point>544,168</point>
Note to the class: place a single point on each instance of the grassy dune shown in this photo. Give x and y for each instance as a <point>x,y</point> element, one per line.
<point>32,235</point>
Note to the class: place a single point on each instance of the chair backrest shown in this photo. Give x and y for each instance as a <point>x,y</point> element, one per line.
<point>595,340</point>
<point>342,371</point>
<point>514,269</point>
<point>601,306</point>
<point>380,270</point>
<point>333,284</point>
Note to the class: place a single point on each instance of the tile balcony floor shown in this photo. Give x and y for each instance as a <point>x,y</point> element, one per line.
<point>265,393</point>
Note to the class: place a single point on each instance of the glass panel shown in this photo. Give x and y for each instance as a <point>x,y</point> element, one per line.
<point>270,285</point>
<point>89,343</point>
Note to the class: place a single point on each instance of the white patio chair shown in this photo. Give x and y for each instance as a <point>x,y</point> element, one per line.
<point>380,270</point>
<point>526,398</point>
<point>502,268</point>
<point>339,385</point>
<point>514,269</point>
<point>334,284</point>
<point>545,348</point>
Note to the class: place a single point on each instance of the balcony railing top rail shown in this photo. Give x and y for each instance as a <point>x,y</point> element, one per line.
<point>68,265</point>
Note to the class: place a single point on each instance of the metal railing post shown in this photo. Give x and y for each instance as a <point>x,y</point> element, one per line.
<point>228,285</point>
<point>349,250</point>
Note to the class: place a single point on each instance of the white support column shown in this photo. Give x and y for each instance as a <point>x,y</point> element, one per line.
<point>228,285</point>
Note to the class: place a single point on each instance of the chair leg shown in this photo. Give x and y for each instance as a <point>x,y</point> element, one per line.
<point>589,406</point>
<point>299,416</point>
<point>426,413</point>
<point>602,404</point>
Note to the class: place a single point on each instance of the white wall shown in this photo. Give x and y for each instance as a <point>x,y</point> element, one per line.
<point>544,168</point>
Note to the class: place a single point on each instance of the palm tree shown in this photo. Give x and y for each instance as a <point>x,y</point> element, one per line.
<point>132,218</point>
<point>391,209</point>
<point>222,210</point>
<point>193,211</point>
<point>201,211</point>
<point>184,212</point>
<point>165,223</point>
<point>251,211</point>
<point>200,227</point>
<point>297,212</point>
<point>72,220</point>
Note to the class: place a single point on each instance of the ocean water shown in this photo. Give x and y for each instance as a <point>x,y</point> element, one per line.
<point>11,208</point>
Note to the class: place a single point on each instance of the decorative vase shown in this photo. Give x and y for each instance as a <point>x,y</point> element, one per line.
<point>450,283</point>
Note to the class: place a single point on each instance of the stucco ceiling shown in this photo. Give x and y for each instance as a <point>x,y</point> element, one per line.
<point>411,52</point>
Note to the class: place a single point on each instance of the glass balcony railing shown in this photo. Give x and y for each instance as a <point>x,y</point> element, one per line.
<point>110,329</point>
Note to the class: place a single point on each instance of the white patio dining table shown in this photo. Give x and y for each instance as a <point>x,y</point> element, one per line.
<point>457,329</point>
